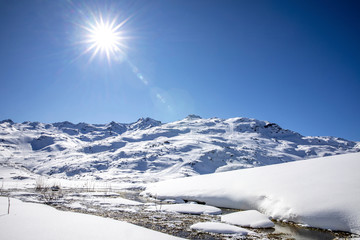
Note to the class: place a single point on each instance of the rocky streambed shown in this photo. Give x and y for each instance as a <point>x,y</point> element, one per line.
<point>129,206</point>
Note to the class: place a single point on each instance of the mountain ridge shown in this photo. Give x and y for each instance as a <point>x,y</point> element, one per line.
<point>148,150</point>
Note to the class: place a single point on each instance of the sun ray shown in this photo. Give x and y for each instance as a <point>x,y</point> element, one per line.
<point>104,37</point>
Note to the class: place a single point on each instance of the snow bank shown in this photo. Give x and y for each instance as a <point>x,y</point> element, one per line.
<point>216,227</point>
<point>39,222</point>
<point>250,218</point>
<point>322,192</point>
<point>196,209</point>
<point>116,201</point>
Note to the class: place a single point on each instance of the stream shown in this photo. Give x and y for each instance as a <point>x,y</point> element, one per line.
<point>101,204</point>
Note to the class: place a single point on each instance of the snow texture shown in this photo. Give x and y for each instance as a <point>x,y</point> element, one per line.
<point>196,209</point>
<point>216,227</point>
<point>40,222</point>
<point>322,193</point>
<point>249,218</point>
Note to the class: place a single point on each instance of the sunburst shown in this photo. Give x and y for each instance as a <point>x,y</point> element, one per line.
<point>105,37</point>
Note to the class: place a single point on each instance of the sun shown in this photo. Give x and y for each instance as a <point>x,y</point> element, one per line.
<point>105,37</point>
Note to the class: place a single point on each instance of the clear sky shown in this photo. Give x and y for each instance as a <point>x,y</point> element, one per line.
<point>295,63</point>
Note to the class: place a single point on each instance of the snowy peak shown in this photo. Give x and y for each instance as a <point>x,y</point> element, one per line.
<point>144,123</point>
<point>65,124</point>
<point>8,121</point>
<point>118,128</point>
<point>192,117</point>
<point>94,131</point>
<point>264,128</point>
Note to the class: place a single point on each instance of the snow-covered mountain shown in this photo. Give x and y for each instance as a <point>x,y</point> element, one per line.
<point>148,150</point>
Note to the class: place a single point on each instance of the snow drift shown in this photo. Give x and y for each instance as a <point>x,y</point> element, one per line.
<point>322,192</point>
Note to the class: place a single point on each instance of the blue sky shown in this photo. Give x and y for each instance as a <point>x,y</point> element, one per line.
<point>296,63</point>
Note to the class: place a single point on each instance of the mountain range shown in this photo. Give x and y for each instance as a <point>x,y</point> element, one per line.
<point>148,150</point>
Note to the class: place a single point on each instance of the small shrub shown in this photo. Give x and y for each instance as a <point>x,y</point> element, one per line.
<point>40,184</point>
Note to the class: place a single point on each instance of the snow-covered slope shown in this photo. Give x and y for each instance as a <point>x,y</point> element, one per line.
<point>148,150</point>
<point>322,192</point>
<point>39,222</point>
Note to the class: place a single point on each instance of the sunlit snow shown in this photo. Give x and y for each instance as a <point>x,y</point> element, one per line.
<point>216,227</point>
<point>40,222</point>
<point>322,192</point>
<point>249,218</point>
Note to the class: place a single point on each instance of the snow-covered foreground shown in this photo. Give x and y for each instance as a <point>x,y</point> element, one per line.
<point>322,192</point>
<point>36,221</point>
